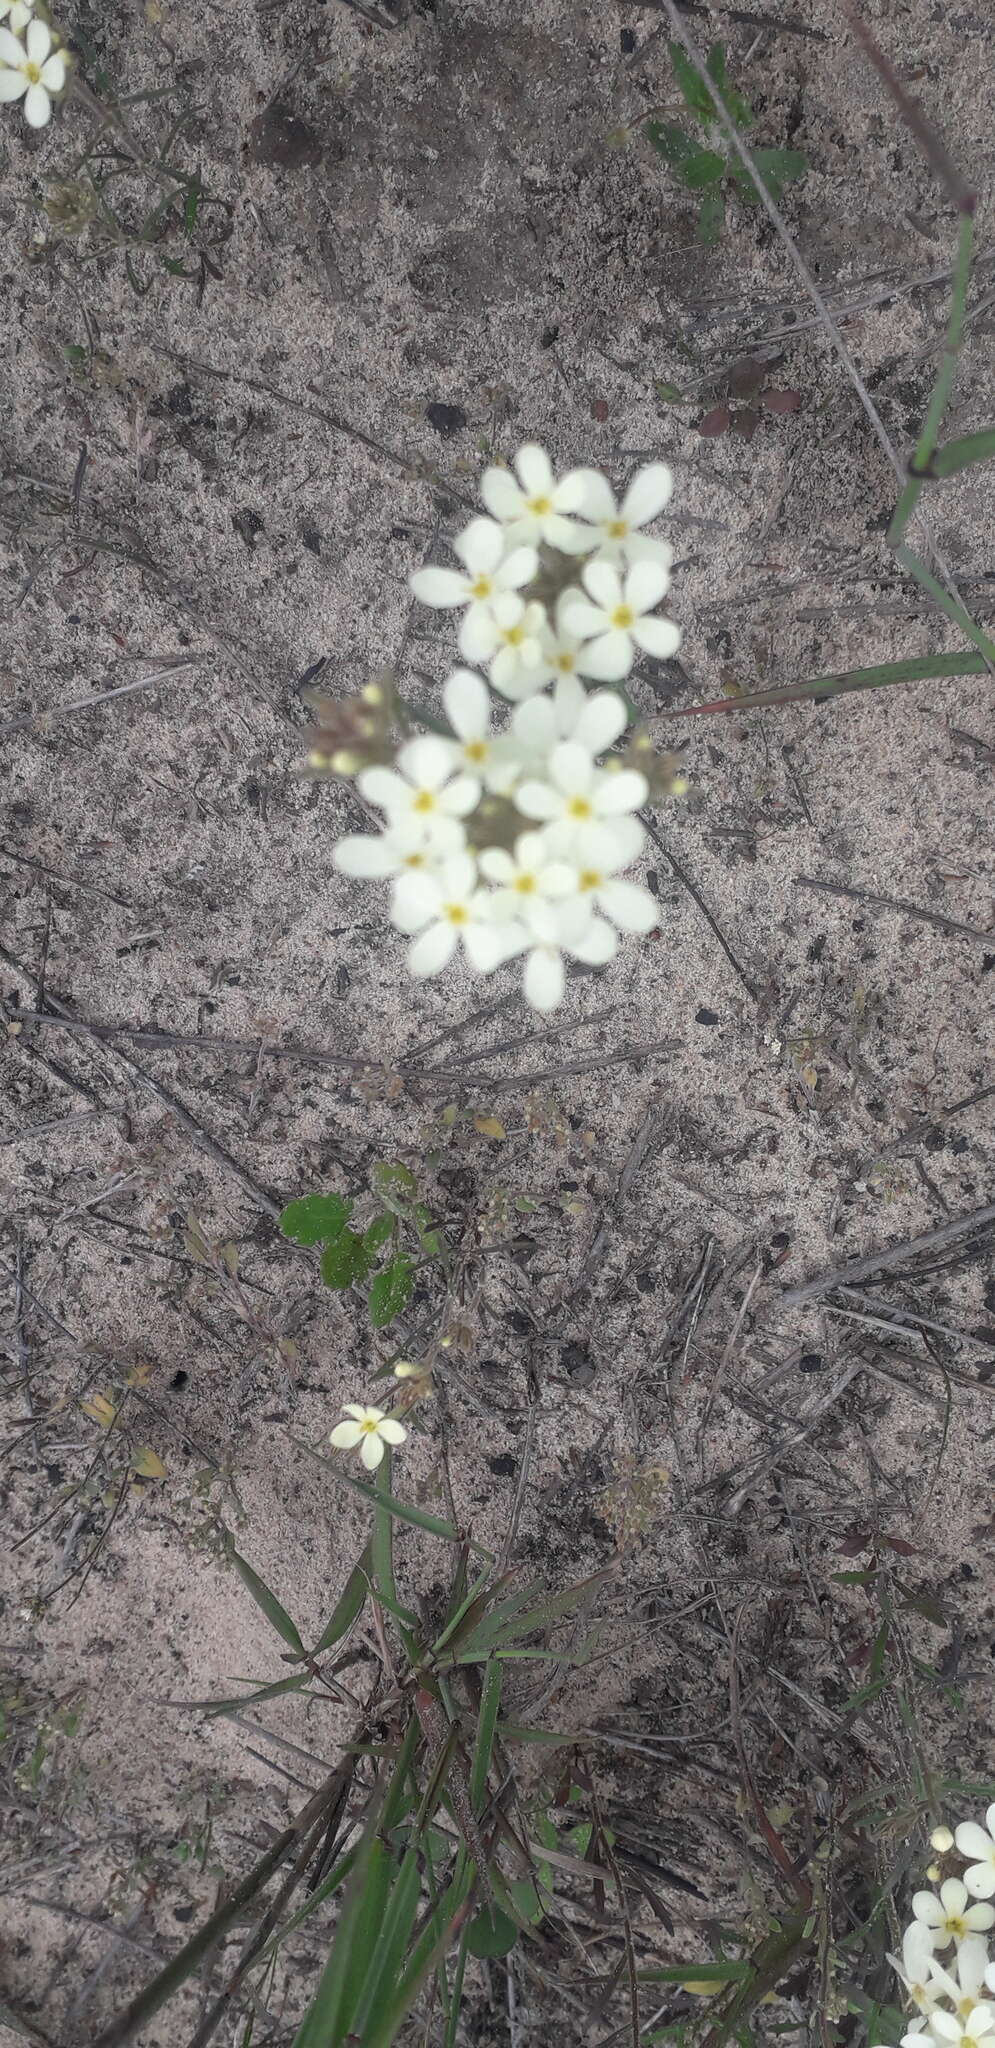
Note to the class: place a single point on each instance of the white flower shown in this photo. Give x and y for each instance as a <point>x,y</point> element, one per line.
<point>914,1970</point>
<point>965,1989</point>
<point>16,13</point>
<point>977,2030</point>
<point>563,652</point>
<point>575,792</point>
<point>32,68</point>
<point>444,908</point>
<point>531,874</point>
<point>488,574</point>
<point>419,787</point>
<point>547,930</point>
<point>615,528</point>
<point>599,855</point>
<point>513,629</point>
<point>978,1844</point>
<point>380,856</point>
<point>534,508</point>
<point>494,758</point>
<point>950,1916</point>
<point>615,620</point>
<point>370,1428</point>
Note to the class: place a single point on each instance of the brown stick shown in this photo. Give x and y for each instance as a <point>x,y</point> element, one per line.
<point>883,1262</point>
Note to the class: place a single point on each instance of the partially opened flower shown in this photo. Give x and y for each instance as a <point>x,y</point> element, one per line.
<point>978,1844</point>
<point>368,1429</point>
<point>516,665</point>
<point>446,909</point>
<point>488,572</point>
<point>576,792</point>
<point>422,787</point>
<point>617,620</point>
<point>32,68</point>
<point>916,1965</point>
<point>616,529</point>
<point>950,1916</point>
<point>535,507</point>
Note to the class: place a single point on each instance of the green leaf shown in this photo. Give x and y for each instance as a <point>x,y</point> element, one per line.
<point>925,668</point>
<point>389,1177</point>
<point>377,1233</point>
<point>518,1731</point>
<point>428,1236</point>
<point>390,1290</point>
<point>693,90</point>
<point>276,1615</point>
<point>668,394</point>
<point>697,1973</point>
<point>486,1726</point>
<point>253,1699</point>
<point>491,1934</point>
<point>961,454</point>
<point>670,141</point>
<point>736,107</point>
<point>345,1261</point>
<point>315,1219</point>
<point>865,1578</point>
<point>701,167</point>
<point>348,1607</point>
<point>191,204</point>
<point>777,168</point>
<point>403,1512</point>
<point>711,218</point>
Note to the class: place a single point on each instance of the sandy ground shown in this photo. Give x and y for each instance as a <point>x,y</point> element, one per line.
<point>438,249</point>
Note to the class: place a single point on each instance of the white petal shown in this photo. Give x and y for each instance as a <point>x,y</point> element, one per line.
<point>659,637</point>
<point>11,51</point>
<point>980,1880</point>
<point>614,842</point>
<point>458,878</point>
<point>460,796</point>
<point>544,978</point>
<point>519,568</point>
<point>569,699</point>
<point>53,72</point>
<point>648,493</point>
<point>477,634</point>
<point>345,1436</point>
<point>532,464</point>
<point>980,1918</point>
<point>496,863</point>
<point>953,1897</point>
<point>417,898</point>
<point>534,724</point>
<point>366,854</point>
<point>944,2027</point>
<point>12,84</point>
<point>571,768</point>
<point>38,41</point>
<point>538,800</point>
<point>571,491</point>
<point>624,791</point>
<point>440,587</point>
<point>974,1842</point>
<point>990,1820</point>
<point>598,945</point>
<point>480,546</point>
<point>361,1412</point>
<point>580,619</point>
<point>645,584</point>
<point>629,905</point>
<point>427,760</point>
<point>392,1432</point>
<point>501,494</point>
<point>433,950</point>
<point>598,501</point>
<point>643,547</point>
<point>602,583</point>
<point>603,717</point>
<point>467,704</point>
<point>926,1907</point>
<point>607,659</point>
<point>371,1452</point>
<point>483,945</point>
<point>565,534</point>
<point>383,786</point>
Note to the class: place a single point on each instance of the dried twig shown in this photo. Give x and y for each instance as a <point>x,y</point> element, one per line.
<point>897,1255</point>
<point>916,910</point>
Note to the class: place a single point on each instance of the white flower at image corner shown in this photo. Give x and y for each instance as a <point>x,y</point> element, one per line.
<point>599,854</point>
<point>515,660</point>
<point>535,507</point>
<point>443,909</point>
<point>915,1968</point>
<point>616,619</point>
<point>575,792</point>
<point>976,2030</point>
<point>369,1429</point>
<point>16,14</point>
<point>488,572</point>
<point>494,757</point>
<point>33,68</point>
<point>978,1845</point>
<point>966,1989</point>
<point>422,788</point>
<point>616,529</point>
<point>950,1916</point>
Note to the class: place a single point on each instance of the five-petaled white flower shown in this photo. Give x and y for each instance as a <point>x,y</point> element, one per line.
<point>515,629</point>
<point>33,68</point>
<point>444,908</point>
<point>399,850</point>
<point>536,507</point>
<point>488,573</point>
<point>978,1844</point>
<point>950,1916</point>
<point>915,1966</point>
<point>976,2030</point>
<point>370,1429</point>
<point>599,854</point>
<point>616,621</point>
<point>563,652</point>
<point>549,928</point>
<point>422,787</point>
<point>615,529</point>
<point>576,792</point>
<point>532,874</point>
<point>494,757</point>
<point>966,1988</point>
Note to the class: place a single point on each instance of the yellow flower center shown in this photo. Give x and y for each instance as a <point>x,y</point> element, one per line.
<point>566,662</point>
<point>955,1925</point>
<point>456,912</point>
<point>370,1427</point>
<point>526,885</point>
<point>476,750</point>
<point>623,616</point>
<point>540,506</point>
<point>513,636</point>
<point>414,860</point>
<point>32,73</point>
<point>589,878</point>
<point>424,801</point>
<point>481,587</point>
<point>616,529</point>
<point>578,807</point>
<point>965,2006</point>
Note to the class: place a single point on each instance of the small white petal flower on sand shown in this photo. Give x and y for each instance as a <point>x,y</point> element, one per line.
<point>487,572</point>
<point>976,2030</point>
<point>616,620</point>
<point>535,508</point>
<point>531,874</point>
<point>616,529</point>
<point>445,909</point>
<point>381,856</point>
<point>33,68</point>
<point>564,652</point>
<point>491,756</point>
<point>574,792</point>
<point>916,1965</point>
<point>599,856</point>
<point>551,929</point>
<point>369,1429</point>
<point>978,1844</point>
<point>516,665</point>
<point>421,786</point>
<point>950,1916</point>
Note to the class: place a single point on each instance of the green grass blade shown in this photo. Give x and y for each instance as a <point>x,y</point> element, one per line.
<point>961,454</point>
<point>456,1994</point>
<point>486,1729</point>
<point>325,1890</point>
<point>391,1946</point>
<point>433,1942</point>
<point>924,668</point>
<point>254,1699</point>
<point>276,1615</point>
<point>349,1606</point>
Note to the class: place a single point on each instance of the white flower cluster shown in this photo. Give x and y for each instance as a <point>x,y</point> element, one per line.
<point>31,67</point>
<point>553,888</point>
<point>954,1999</point>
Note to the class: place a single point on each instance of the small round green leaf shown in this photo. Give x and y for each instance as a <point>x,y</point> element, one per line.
<point>315,1219</point>
<point>491,1934</point>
